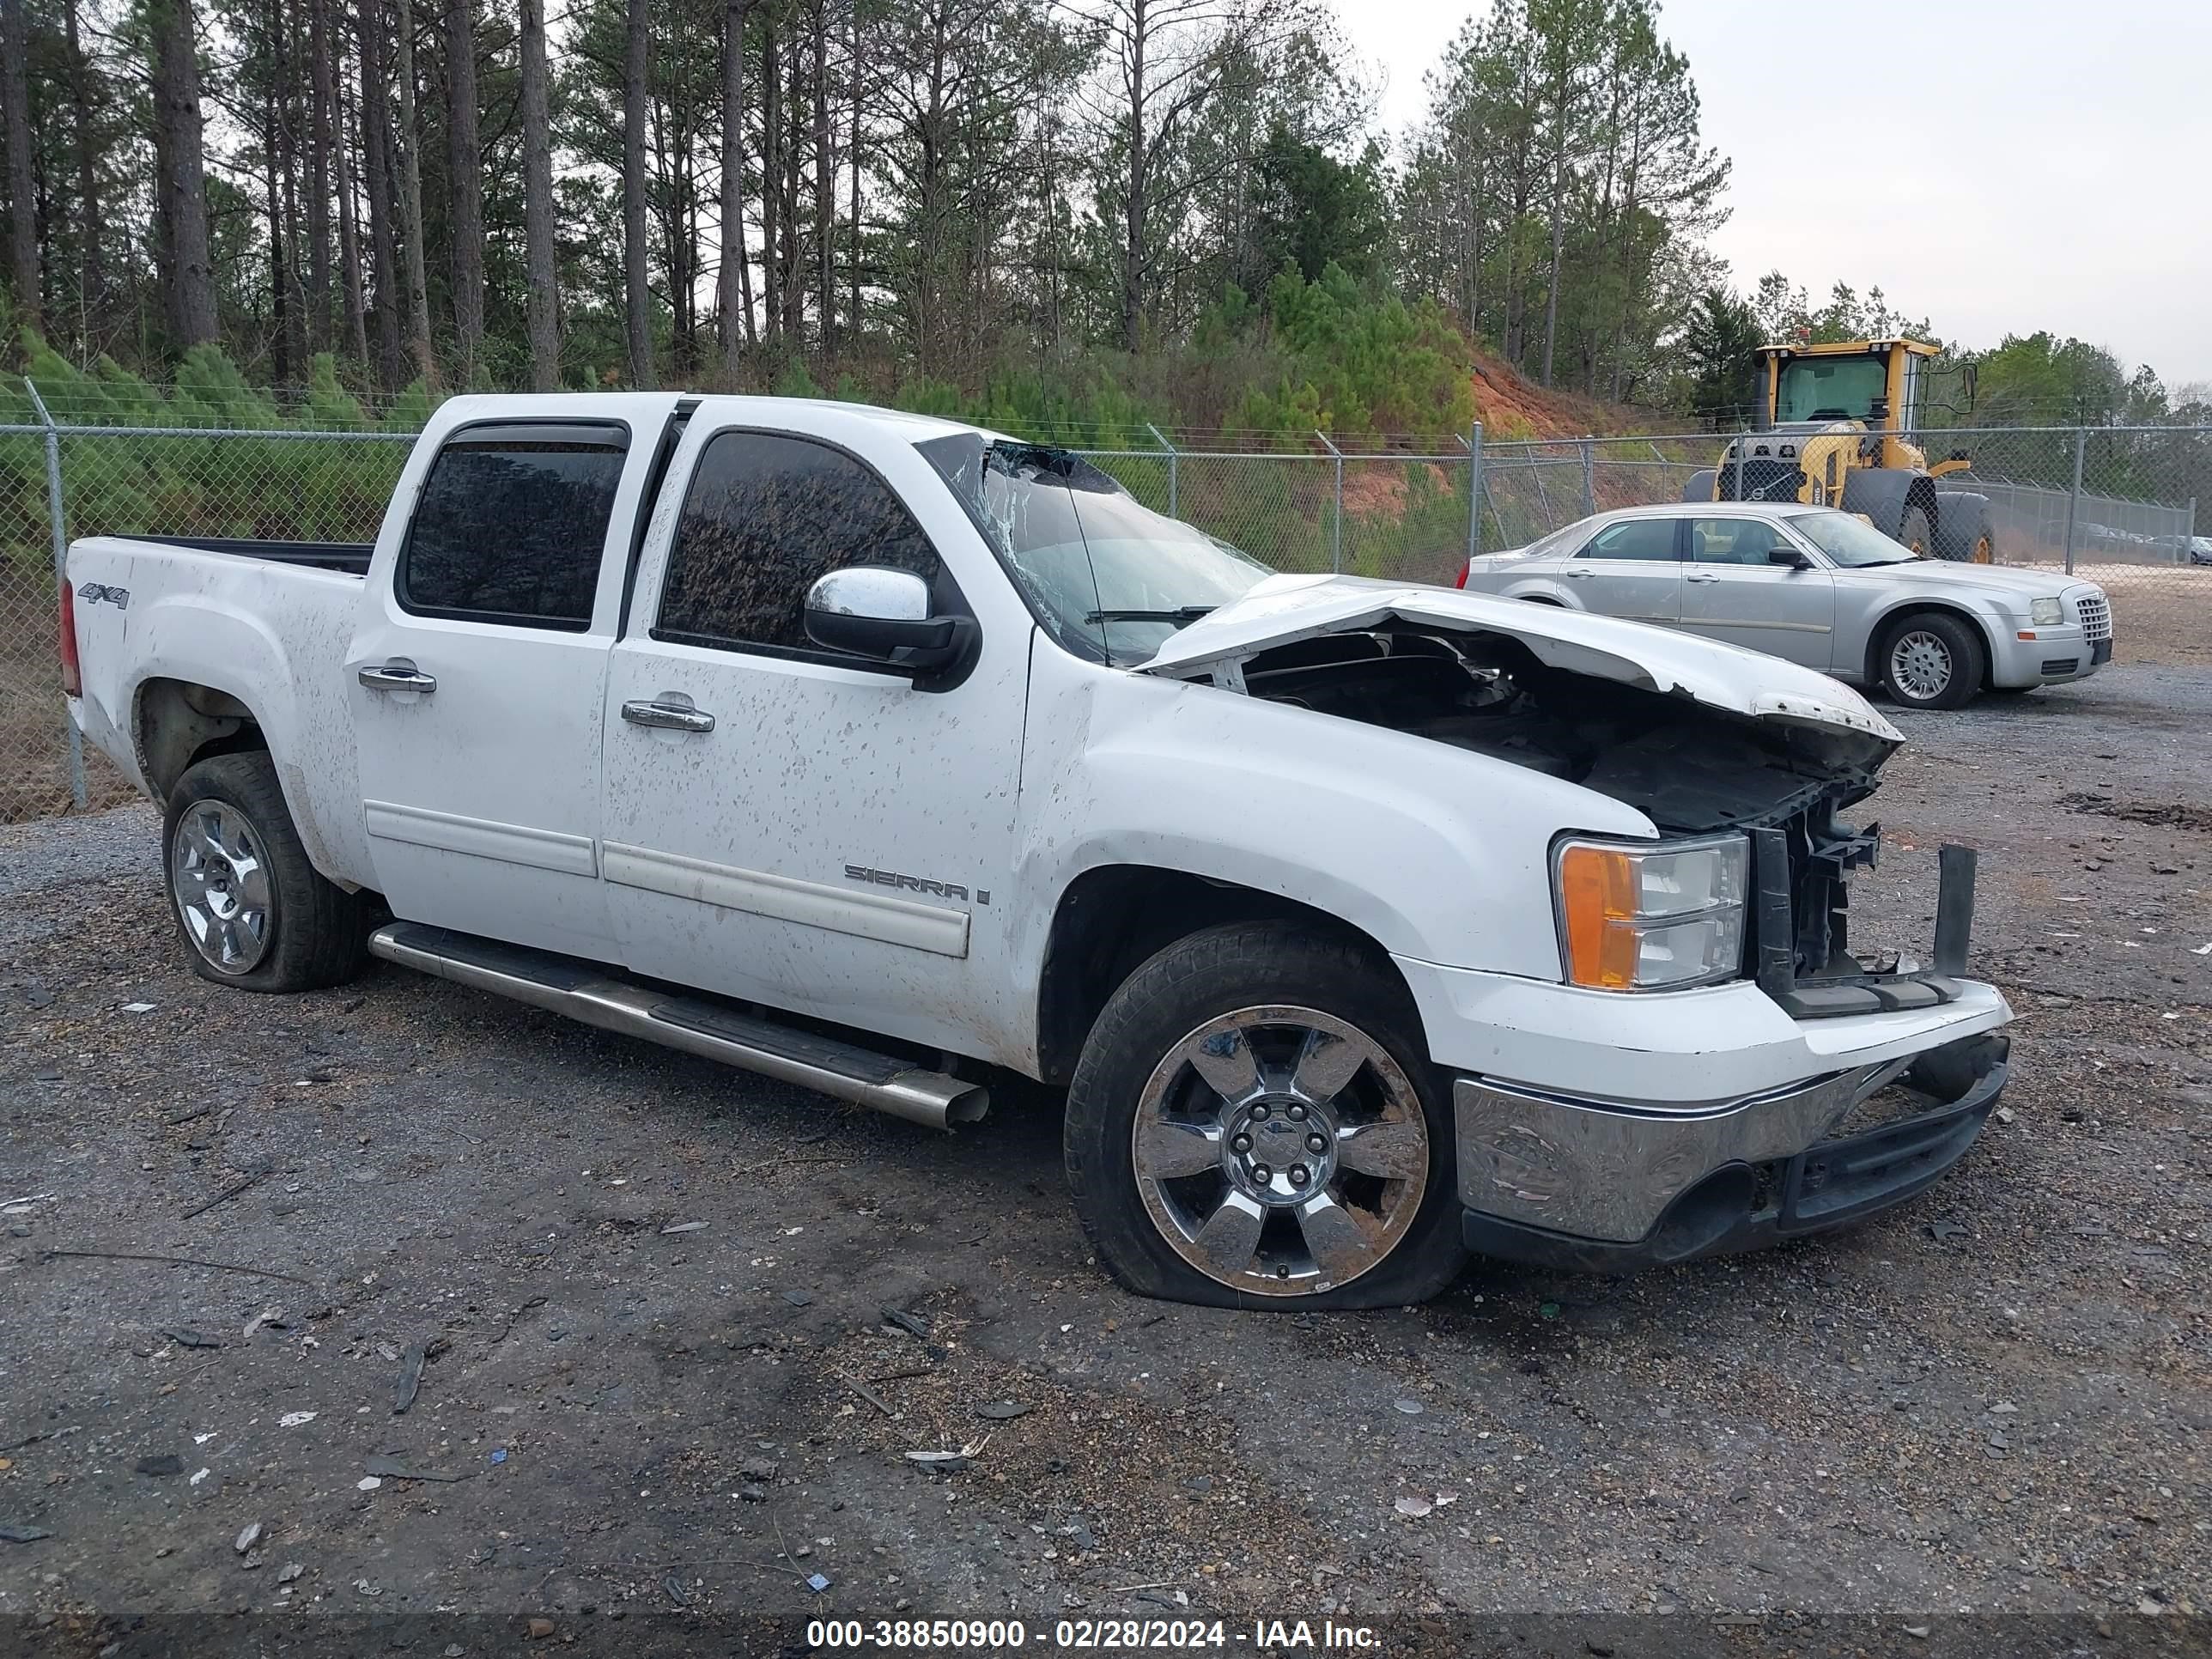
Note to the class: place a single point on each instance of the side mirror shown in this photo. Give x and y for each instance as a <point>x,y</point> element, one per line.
<point>874,611</point>
<point>1790,556</point>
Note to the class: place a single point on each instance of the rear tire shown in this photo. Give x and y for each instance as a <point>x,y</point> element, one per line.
<point>1308,1165</point>
<point>1930,660</point>
<point>252,911</point>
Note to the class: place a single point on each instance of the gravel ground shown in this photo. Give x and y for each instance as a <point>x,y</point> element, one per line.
<point>1973,1425</point>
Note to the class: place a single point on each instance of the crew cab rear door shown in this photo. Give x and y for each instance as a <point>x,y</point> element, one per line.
<point>476,674</point>
<point>795,826</point>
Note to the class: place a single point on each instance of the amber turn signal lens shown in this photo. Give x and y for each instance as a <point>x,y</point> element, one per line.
<point>1597,892</point>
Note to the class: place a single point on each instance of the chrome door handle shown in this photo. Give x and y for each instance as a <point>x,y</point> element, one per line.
<point>1696,577</point>
<point>397,676</point>
<point>667,716</point>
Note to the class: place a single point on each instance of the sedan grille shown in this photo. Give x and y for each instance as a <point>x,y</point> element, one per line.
<point>2095,617</point>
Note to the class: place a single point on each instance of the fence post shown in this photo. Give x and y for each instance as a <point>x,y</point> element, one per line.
<point>1336,520</point>
<point>2183,555</point>
<point>1589,480</point>
<point>59,524</point>
<point>1474,492</point>
<point>2074,498</point>
<point>1175,495</point>
<point>1742,443</point>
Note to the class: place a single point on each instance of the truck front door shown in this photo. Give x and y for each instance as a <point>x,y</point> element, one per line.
<point>795,826</point>
<point>475,677</point>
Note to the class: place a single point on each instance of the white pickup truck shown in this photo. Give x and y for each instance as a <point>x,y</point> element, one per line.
<point>1364,924</point>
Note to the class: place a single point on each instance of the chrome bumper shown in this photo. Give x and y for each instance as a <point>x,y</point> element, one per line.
<point>1610,1172</point>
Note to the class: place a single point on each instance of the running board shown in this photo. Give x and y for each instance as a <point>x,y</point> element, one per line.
<point>599,996</point>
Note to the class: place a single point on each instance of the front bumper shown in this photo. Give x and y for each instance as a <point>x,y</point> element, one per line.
<point>2054,655</point>
<point>1612,1186</point>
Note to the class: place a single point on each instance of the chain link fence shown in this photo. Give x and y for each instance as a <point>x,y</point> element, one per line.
<point>2116,505</point>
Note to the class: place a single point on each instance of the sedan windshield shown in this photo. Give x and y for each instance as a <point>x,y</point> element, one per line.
<point>1108,577</point>
<point>1851,542</point>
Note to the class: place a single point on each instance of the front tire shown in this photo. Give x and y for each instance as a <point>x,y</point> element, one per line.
<point>1254,1123</point>
<point>1933,661</point>
<point>1915,532</point>
<point>252,911</point>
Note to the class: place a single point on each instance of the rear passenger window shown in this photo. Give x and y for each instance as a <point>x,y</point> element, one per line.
<point>512,524</point>
<point>767,515</point>
<point>1632,538</point>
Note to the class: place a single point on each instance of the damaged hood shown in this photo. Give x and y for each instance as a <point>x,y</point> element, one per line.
<point>1284,609</point>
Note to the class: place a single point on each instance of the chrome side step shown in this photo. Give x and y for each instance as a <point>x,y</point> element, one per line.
<point>601,996</point>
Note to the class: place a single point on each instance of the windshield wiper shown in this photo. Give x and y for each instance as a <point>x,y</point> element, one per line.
<point>1188,613</point>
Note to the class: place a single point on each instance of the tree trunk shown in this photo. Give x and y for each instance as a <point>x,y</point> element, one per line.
<point>852,147</point>
<point>320,90</point>
<point>541,300</point>
<point>350,279</point>
<point>22,205</point>
<point>771,220</point>
<point>92,276</point>
<point>1559,237</point>
<point>375,115</point>
<point>637,302</point>
<point>825,185</point>
<point>733,302</point>
<point>1132,250</point>
<point>272,150</point>
<point>467,167</point>
<point>190,277</point>
<point>410,204</point>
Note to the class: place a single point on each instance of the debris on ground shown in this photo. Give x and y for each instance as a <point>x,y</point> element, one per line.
<point>398,1468</point>
<point>22,1534</point>
<point>161,1464</point>
<point>247,1538</point>
<point>410,1377</point>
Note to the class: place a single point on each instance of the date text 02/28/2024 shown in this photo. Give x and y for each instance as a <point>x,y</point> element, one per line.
<point>1091,1635</point>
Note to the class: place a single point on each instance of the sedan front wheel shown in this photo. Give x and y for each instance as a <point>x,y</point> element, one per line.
<point>1933,661</point>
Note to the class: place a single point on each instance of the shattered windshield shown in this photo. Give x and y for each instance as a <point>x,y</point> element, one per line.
<point>1108,577</point>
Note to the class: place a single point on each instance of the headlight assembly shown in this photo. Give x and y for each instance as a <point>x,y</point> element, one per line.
<point>1646,916</point>
<point>2045,613</point>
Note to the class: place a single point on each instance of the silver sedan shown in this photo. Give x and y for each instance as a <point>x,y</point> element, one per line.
<point>1820,587</point>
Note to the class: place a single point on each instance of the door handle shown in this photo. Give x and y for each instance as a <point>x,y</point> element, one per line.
<point>667,716</point>
<point>1580,575</point>
<point>397,676</point>
<point>1700,577</point>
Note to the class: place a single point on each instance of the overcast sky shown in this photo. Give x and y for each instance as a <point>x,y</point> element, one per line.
<point>1997,166</point>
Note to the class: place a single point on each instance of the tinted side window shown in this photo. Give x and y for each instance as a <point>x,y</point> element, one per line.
<point>765,516</point>
<point>510,527</point>
<point>1733,540</point>
<point>1632,538</point>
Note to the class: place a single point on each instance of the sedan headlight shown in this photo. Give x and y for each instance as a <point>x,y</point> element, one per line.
<point>1652,917</point>
<point>2045,613</point>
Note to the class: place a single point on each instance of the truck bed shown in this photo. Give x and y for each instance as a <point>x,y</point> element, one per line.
<point>347,558</point>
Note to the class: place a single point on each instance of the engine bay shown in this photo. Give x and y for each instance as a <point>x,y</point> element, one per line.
<point>1691,768</point>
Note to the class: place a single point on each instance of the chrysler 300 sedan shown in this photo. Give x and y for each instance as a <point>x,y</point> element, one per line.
<point>1819,587</point>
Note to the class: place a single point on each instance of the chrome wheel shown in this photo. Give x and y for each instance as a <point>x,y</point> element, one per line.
<point>219,879</point>
<point>1280,1151</point>
<point>1920,665</point>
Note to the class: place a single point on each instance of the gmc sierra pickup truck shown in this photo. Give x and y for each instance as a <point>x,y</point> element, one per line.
<point>1364,924</point>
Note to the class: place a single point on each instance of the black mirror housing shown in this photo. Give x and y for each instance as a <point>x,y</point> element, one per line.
<point>1789,556</point>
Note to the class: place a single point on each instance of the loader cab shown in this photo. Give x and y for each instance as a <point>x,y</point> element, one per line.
<point>1877,383</point>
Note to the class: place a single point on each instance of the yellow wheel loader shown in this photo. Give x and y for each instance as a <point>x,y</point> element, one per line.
<point>1834,414</point>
